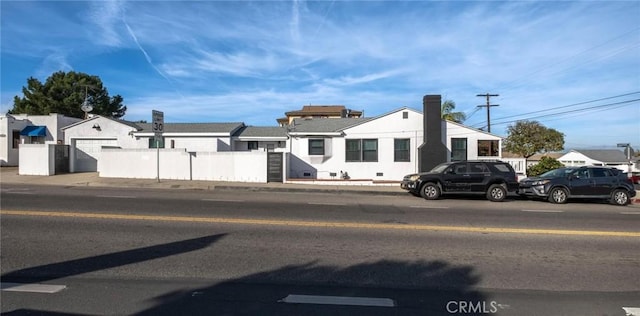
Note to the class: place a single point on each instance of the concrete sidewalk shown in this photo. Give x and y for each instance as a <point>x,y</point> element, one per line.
<point>10,175</point>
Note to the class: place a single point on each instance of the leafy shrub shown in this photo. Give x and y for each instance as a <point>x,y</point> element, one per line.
<point>545,164</point>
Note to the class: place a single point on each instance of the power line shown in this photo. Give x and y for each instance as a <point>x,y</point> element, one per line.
<point>571,105</point>
<point>596,107</point>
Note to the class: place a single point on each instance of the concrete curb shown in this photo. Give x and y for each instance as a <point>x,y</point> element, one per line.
<point>9,175</point>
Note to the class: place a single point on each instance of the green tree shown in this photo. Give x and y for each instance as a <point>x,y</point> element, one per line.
<point>545,164</point>
<point>64,93</point>
<point>527,138</point>
<point>447,112</point>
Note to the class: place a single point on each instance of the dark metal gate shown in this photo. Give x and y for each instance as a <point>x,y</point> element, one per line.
<point>61,157</point>
<point>274,167</point>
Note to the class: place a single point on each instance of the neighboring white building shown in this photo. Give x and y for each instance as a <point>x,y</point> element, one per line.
<point>380,148</point>
<point>16,129</point>
<point>596,157</point>
<point>89,136</point>
<point>260,138</point>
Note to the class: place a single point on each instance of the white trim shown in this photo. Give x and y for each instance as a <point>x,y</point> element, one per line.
<point>179,134</point>
<point>316,134</point>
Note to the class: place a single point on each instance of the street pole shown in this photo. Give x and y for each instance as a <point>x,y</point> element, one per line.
<point>627,146</point>
<point>488,106</point>
<point>158,158</point>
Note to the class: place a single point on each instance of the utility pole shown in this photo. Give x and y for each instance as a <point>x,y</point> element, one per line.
<point>488,105</point>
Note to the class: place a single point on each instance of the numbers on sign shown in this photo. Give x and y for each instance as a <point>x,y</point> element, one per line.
<point>157,126</point>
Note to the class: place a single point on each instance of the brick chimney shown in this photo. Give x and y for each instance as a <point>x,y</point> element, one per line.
<point>433,151</point>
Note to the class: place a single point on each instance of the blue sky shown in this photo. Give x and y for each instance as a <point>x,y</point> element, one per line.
<point>251,61</point>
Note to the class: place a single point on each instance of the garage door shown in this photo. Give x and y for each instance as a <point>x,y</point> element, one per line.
<point>87,153</point>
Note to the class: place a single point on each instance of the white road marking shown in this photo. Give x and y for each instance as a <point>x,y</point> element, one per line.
<point>543,211</point>
<point>32,288</point>
<point>338,300</point>
<point>632,311</point>
<point>117,196</point>
<point>630,213</point>
<point>221,200</point>
<point>330,204</point>
<point>428,206</point>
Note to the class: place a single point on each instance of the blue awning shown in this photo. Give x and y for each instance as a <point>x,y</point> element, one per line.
<point>34,130</point>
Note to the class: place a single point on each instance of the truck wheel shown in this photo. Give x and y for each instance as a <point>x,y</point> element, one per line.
<point>620,197</point>
<point>496,193</point>
<point>430,191</point>
<point>558,196</point>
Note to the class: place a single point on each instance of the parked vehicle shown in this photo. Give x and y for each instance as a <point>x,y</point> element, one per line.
<point>494,179</point>
<point>560,185</point>
<point>635,177</point>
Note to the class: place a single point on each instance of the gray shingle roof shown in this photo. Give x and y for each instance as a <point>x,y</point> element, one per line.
<point>262,131</point>
<point>324,125</point>
<point>195,127</point>
<point>604,155</point>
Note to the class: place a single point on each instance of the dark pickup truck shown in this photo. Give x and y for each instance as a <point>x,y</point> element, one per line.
<point>492,178</point>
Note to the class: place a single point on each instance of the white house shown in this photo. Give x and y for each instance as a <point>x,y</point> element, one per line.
<point>597,157</point>
<point>87,138</point>
<point>380,148</point>
<point>17,129</point>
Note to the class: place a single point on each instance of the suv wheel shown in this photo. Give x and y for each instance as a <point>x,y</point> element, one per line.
<point>619,197</point>
<point>430,191</point>
<point>496,193</point>
<point>558,196</point>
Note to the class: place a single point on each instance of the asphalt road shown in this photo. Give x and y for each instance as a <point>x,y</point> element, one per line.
<point>151,252</point>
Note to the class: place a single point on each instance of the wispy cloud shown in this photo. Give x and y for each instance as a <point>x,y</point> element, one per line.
<point>253,60</point>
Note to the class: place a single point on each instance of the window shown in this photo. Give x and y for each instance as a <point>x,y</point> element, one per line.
<point>502,167</point>
<point>361,150</point>
<point>369,150</point>
<point>401,149</point>
<point>458,149</point>
<point>253,145</point>
<point>352,150</point>
<point>173,143</point>
<point>36,139</point>
<point>16,139</point>
<point>488,148</point>
<point>316,147</point>
<point>405,115</point>
<point>478,167</point>
<point>458,169</point>
<point>601,173</point>
<point>152,142</point>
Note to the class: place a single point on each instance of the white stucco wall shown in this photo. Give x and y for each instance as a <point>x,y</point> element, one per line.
<point>109,129</point>
<point>179,164</point>
<point>37,159</point>
<point>230,166</point>
<point>9,156</point>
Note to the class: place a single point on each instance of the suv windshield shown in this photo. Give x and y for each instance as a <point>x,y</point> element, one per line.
<point>562,172</point>
<point>440,168</point>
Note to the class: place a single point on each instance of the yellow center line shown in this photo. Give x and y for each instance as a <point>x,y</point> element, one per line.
<point>323,224</point>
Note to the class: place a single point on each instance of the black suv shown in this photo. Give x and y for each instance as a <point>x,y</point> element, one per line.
<point>561,184</point>
<point>492,178</point>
